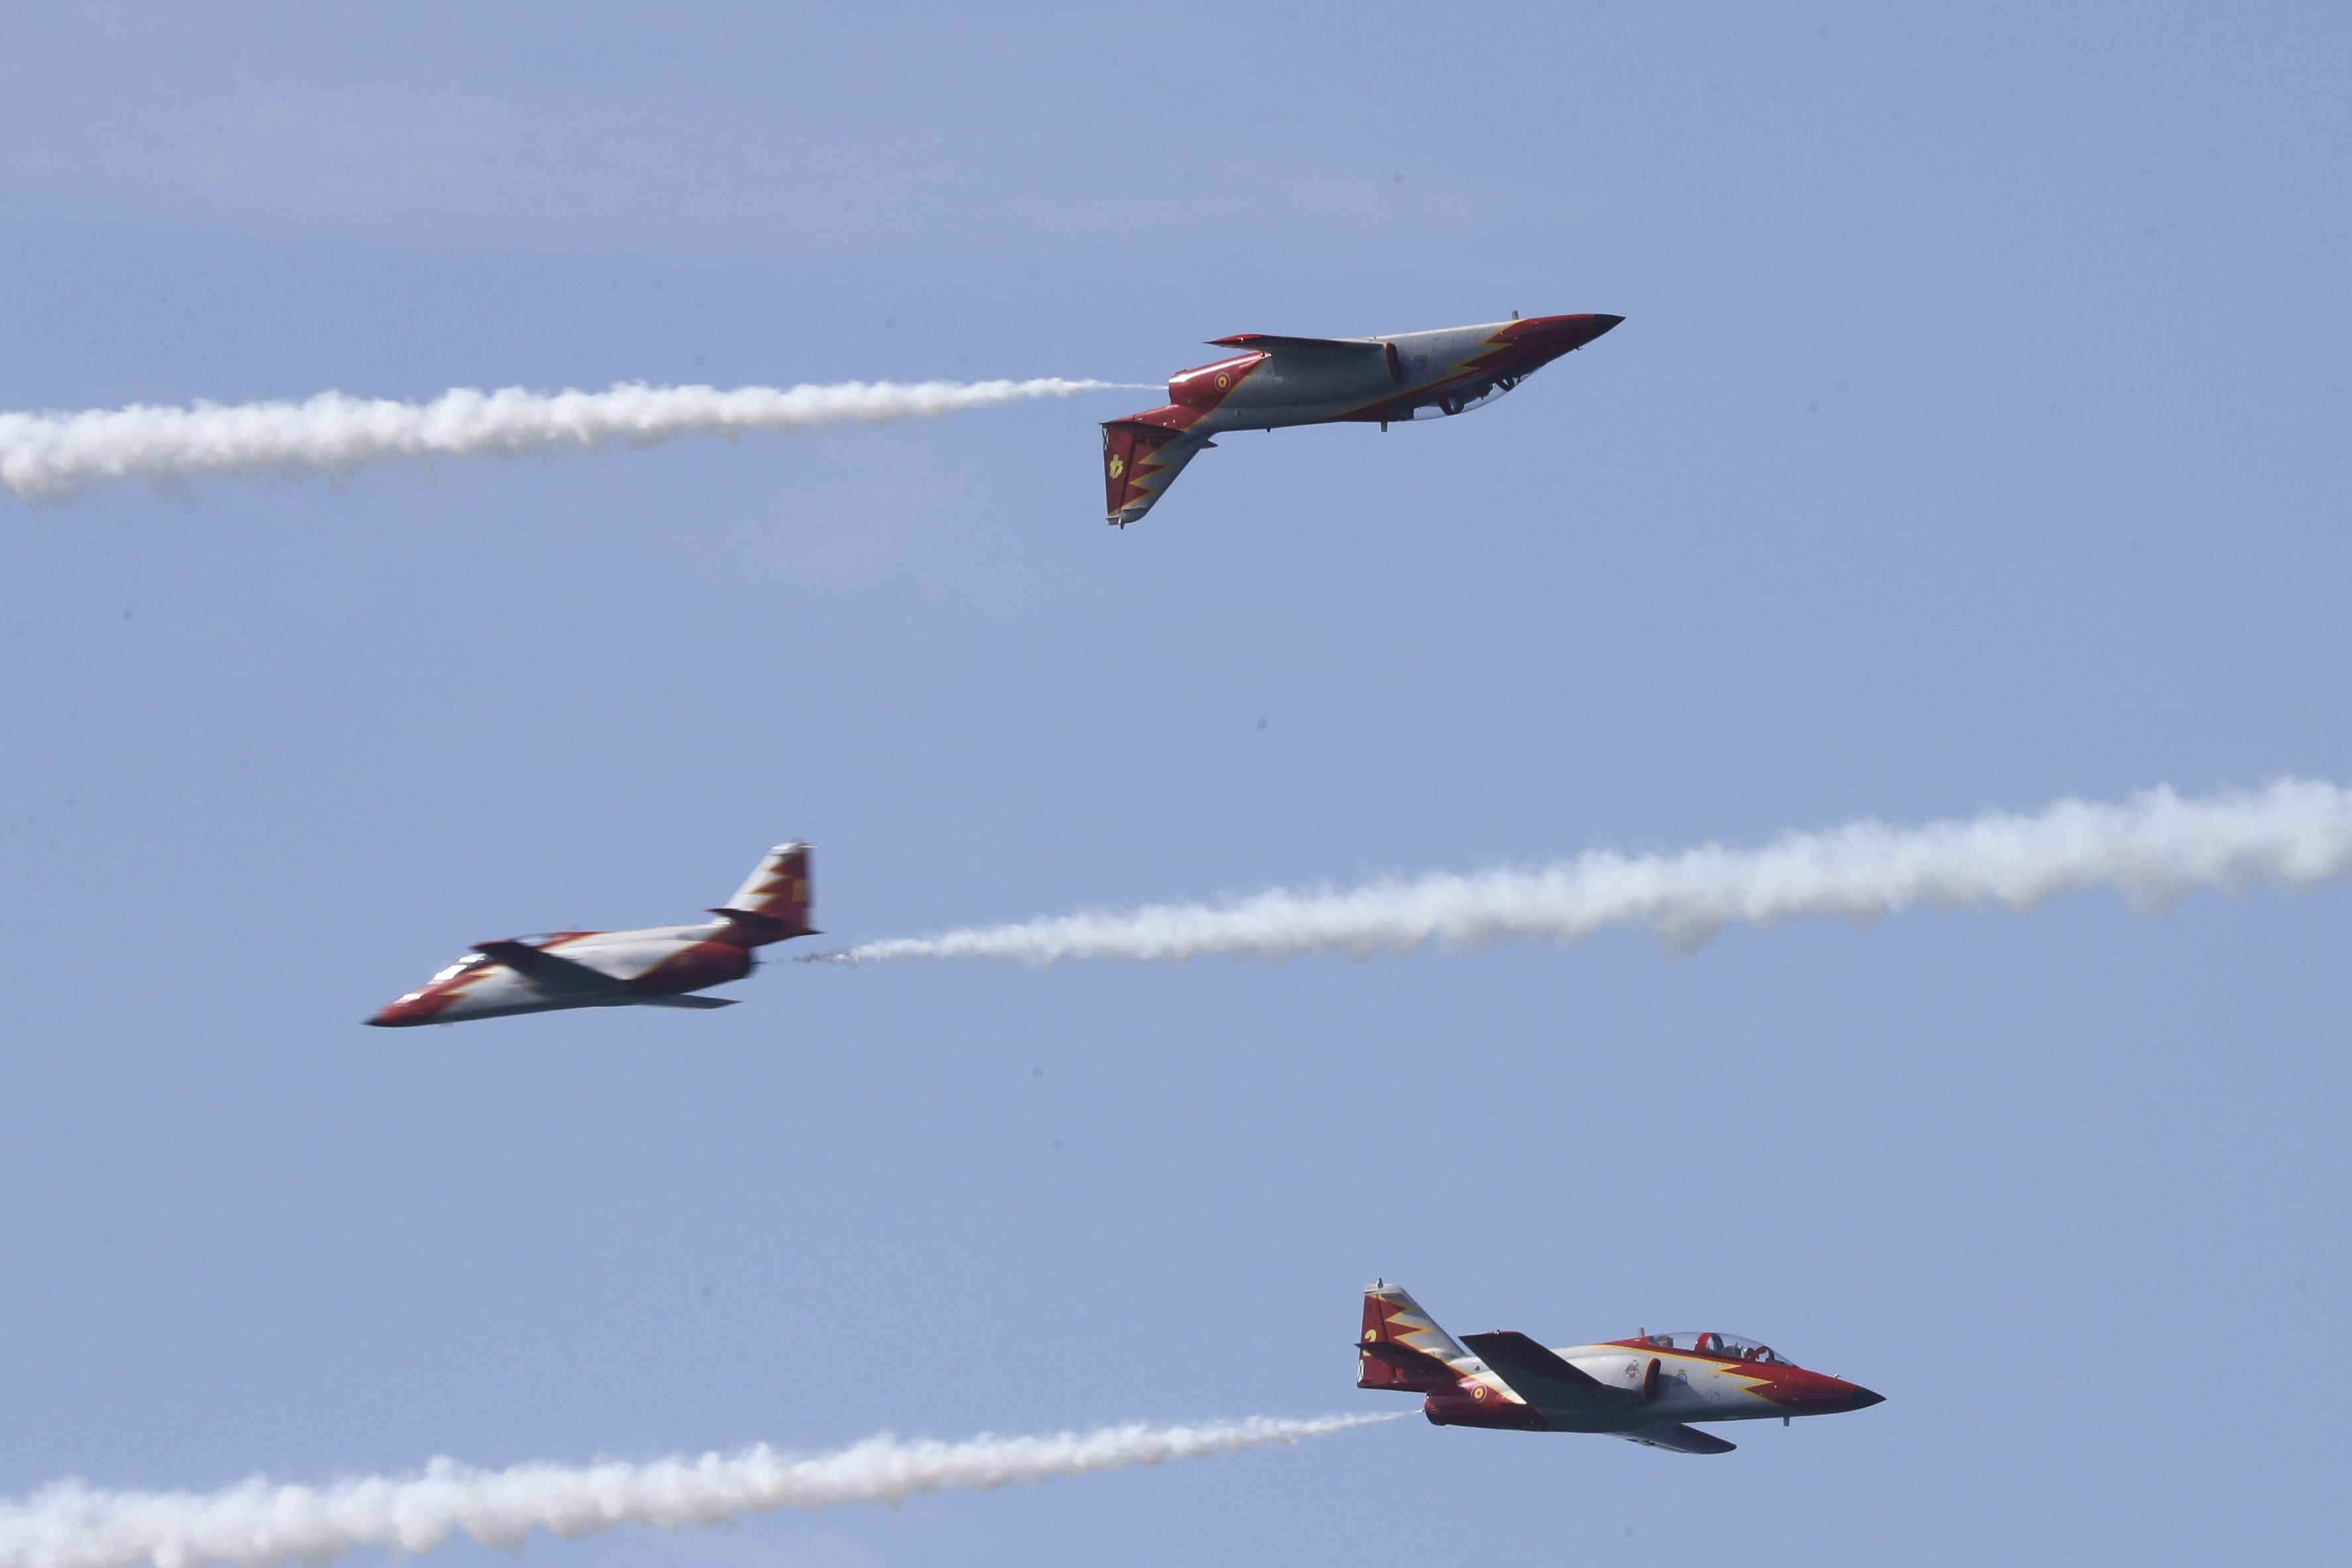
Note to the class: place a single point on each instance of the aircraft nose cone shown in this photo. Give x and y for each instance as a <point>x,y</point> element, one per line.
<point>1576,332</point>
<point>1863,1399</point>
<point>1560,334</point>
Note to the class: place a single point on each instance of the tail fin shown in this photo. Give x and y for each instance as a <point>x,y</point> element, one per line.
<point>1403,1348</point>
<point>773,904</point>
<point>1141,459</point>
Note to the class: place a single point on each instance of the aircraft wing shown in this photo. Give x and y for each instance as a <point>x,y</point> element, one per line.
<point>688,1001</point>
<point>1681,1440</point>
<point>1273,343</point>
<point>555,976</point>
<point>1543,1379</point>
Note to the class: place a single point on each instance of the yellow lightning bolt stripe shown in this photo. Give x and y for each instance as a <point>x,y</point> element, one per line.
<point>1750,1382</point>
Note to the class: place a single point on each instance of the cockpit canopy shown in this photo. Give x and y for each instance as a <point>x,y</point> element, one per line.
<point>470,961</point>
<point>1709,1342</point>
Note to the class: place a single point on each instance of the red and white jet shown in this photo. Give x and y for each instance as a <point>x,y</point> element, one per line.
<point>1643,1389</point>
<point>1273,382</point>
<point>657,966</point>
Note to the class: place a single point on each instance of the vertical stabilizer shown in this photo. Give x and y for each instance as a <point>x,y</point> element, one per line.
<point>1401,1346</point>
<point>1142,456</point>
<point>773,902</point>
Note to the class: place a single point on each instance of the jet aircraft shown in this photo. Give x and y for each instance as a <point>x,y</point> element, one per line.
<point>657,966</point>
<point>1273,382</point>
<point>1643,1389</point>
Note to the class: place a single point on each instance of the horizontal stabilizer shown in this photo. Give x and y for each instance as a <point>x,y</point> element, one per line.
<point>554,976</point>
<point>1417,1368</point>
<point>1543,1379</point>
<point>1681,1440</point>
<point>704,1002</point>
<point>766,926</point>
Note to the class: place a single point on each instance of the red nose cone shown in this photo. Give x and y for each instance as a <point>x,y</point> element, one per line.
<point>407,1010</point>
<point>1814,1394</point>
<point>1560,334</point>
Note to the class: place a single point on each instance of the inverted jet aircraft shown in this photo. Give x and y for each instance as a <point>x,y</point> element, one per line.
<point>657,966</point>
<point>1272,381</point>
<point>1645,1389</point>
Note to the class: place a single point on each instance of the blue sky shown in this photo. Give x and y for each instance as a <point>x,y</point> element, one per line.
<point>1975,438</point>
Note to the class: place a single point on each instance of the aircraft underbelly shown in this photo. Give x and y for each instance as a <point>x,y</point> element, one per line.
<point>1391,403</point>
<point>1286,417</point>
<point>1286,395</point>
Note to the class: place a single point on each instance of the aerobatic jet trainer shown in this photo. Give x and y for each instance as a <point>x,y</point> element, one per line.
<point>657,966</point>
<point>1272,381</point>
<point>1645,1389</point>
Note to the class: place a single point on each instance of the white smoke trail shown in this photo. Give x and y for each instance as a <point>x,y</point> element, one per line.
<point>2153,848</point>
<point>48,456</point>
<point>257,1524</point>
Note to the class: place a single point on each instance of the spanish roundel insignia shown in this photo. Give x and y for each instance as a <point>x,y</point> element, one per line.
<point>1118,467</point>
<point>1224,381</point>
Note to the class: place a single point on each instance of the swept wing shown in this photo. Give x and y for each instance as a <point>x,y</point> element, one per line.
<point>553,975</point>
<point>1552,1386</point>
<point>1681,1440</point>
<point>1274,344</point>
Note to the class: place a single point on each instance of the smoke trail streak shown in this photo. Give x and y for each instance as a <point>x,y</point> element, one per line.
<point>49,455</point>
<point>2153,848</point>
<point>257,1524</point>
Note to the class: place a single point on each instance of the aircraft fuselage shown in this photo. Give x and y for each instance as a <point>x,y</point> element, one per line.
<point>653,965</point>
<point>1648,1389</point>
<point>1686,1387</point>
<point>1271,382</point>
<point>656,961</point>
<point>1415,375</point>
